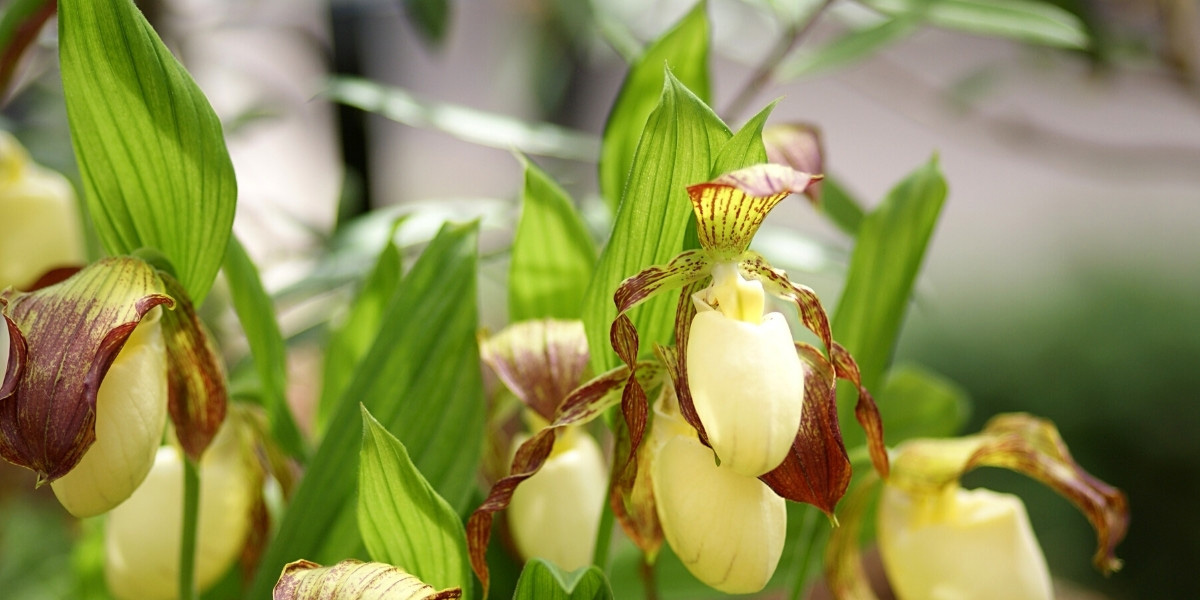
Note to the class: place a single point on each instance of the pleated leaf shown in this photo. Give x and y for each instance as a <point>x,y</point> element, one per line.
<point>684,50</point>
<point>402,519</point>
<point>883,268</point>
<point>149,146</point>
<point>421,380</point>
<point>552,255</point>
<point>541,580</point>
<point>256,313</point>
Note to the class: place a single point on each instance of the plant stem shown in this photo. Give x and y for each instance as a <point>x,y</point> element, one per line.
<point>191,517</point>
<point>603,538</point>
<point>795,33</point>
<point>649,580</point>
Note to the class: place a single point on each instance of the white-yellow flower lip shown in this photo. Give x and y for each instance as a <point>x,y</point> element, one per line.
<point>131,411</point>
<point>745,378</point>
<point>959,543</point>
<point>555,514</point>
<point>727,529</point>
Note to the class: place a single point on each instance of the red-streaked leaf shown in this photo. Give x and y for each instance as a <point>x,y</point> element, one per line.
<point>353,580</point>
<point>817,470</point>
<point>730,208</point>
<point>1027,445</point>
<point>583,404</point>
<point>540,361</point>
<point>797,145</point>
<point>631,495</point>
<point>197,397</point>
<point>62,341</point>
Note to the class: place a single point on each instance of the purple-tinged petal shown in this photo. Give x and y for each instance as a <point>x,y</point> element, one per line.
<point>730,208</point>
<point>797,145</point>
<point>540,361</point>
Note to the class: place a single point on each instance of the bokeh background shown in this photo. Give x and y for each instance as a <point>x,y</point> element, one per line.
<point>1063,278</point>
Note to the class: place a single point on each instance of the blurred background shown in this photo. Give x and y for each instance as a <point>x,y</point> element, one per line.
<point>1063,278</point>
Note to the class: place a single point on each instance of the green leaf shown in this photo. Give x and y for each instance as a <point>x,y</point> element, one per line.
<point>1029,21</point>
<point>552,255</point>
<point>851,47</point>
<point>677,148</point>
<point>744,148</point>
<point>421,379</point>
<point>150,149</point>
<point>402,519</point>
<point>840,207</point>
<point>542,580</point>
<point>256,313</point>
<point>429,18</point>
<point>918,403</point>
<point>883,267</point>
<point>349,343</point>
<point>684,50</point>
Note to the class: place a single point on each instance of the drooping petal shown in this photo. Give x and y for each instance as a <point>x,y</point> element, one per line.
<point>540,361</point>
<point>131,411</point>
<point>353,580</point>
<point>817,470</point>
<point>726,528</point>
<point>198,396</point>
<point>1028,445</point>
<point>555,514</point>
<point>730,208</point>
<point>63,340</point>
<point>585,403</point>
<point>797,145</point>
<point>958,543</point>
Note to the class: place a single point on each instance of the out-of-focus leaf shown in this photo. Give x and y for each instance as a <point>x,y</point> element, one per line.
<point>468,124</point>
<point>421,379</point>
<point>150,149</point>
<point>676,150</point>
<point>429,18</point>
<point>883,267</point>
<point>402,519</point>
<point>552,255</point>
<point>1029,21</point>
<point>257,316</point>
<point>353,580</point>
<point>916,402</point>
<point>840,207</point>
<point>684,50</point>
<point>851,47</point>
<point>351,341</point>
<point>542,580</point>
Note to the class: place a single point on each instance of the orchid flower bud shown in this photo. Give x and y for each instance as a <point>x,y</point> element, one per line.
<point>555,514</point>
<point>746,380</point>
<point>41,219</point>
<point>142,539</point>
<point>727,529</point>
<point>956,543</point>
<point>131,411</point>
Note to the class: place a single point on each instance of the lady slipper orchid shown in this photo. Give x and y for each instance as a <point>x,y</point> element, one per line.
<point>746,380</point>
<point>354,580</point>
<point>727,528</point>
<point>41,228</point>
<point>142,538</point>
<point>958,543</point>
<point>57,400</point>
<point>939,541</point>
<point>555,514</point>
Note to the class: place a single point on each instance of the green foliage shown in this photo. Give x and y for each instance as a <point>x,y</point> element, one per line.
<point>883,268</point>
<point>1030,21</point>
<point>421,379</point>
<point>150,149</point>
<point>349,342</point>
<point>542,580</point>
<point>684,52</point>
<point>429,18</point>
<point>917,402</point>
<point>552,254</point>
<point>256,313</point>
<point>402,519</point>
<point>852,46</point>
